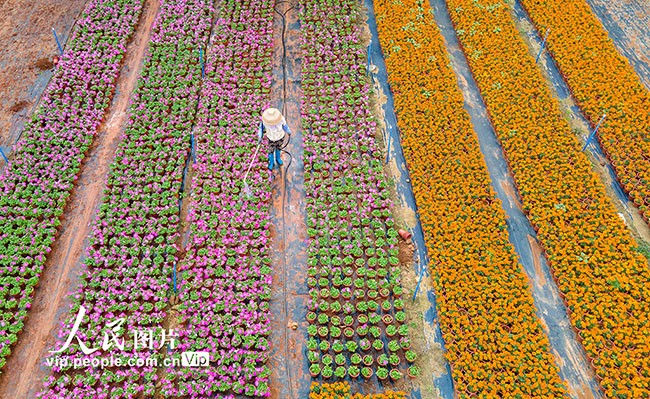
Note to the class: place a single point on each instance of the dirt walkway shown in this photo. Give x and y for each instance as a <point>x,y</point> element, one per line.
<point>25,370</point>
<point>25,56</point>
<point>290,375</point>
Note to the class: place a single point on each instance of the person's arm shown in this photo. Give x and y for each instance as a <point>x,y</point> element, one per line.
<point>260,133</point>
<point>285,127</point>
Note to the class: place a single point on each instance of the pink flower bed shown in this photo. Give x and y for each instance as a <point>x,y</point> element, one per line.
<point>226,273</point>
<point>34,188</point>
<point>134,241</point>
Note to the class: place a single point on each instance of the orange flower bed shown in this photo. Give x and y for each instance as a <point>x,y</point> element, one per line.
<point>606,283</point>
<point>494,341</point>
<point>341,390</point>
<point>602,81</point>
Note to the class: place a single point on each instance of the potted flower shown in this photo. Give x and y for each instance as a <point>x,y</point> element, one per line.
<point>365,344</point>
<point>391,330</point>
<point>327,372</point>
<point>354,371</point>
<point>335,332</point>
<point>340,372</point>
<point>314,370</point>
<point>400,316</point>
<point>324,346</point>
<point>368,360</point>
<point>351,346</point>
<point>355,359</point>
<point>382,360</point>
<point>378,344</point>
<point>395,374</point>
<point>337,346</point>
<point>382,373</point>
<point>323,331</point>
<point>394,360</point>
<point>327,360</point>
<point>366,372</point>
<point>340,359</point>
<point>348,332</point>
<point>410,356</point>
<point>362,330</point>
<point>413,371</point>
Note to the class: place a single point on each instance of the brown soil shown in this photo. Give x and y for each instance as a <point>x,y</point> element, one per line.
<point>287,362</point>
<point>25,370</point>
<point>26,35</point>
<point>19,106</point>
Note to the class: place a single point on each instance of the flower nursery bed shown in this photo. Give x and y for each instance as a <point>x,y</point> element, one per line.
<point>225,273</point>
<point>603,82</point>
<point>603,280</point>
<point>355,311</point>
<point>37,182</point>
<point>342,390</point>
<point>481,288</point>
<point>132,247</point>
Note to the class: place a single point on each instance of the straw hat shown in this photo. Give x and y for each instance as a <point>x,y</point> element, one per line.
<point>272,116</point>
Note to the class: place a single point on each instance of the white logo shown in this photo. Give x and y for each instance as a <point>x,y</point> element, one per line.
<point>195,359</point>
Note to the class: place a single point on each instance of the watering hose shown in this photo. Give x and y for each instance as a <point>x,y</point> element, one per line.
<point>250,165</point>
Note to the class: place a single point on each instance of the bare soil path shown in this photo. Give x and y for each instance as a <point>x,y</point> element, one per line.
<point>26,53</point>
<point>25,369</point>
<point>290,377</point>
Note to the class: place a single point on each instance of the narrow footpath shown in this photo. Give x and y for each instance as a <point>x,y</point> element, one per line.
<point>290,377</point>
<point>569,354</point>
<point>25,369</point>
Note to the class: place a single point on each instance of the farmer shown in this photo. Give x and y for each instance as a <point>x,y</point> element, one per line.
<point>274,127</point>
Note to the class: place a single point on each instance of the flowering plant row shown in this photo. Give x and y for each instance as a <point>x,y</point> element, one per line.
<point>36,184</point>
<point>226,270</point>
<point>341,390</point>
<point>602,81</point>
<point>494,341</point>
<point>605,282</point>
<point>355,312</point>
<point>134,240</point>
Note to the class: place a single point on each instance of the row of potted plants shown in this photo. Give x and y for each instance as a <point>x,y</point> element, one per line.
<point>342,390</point>
<point>133,246</point>
<point>354,276</point>
<point>602,82</point>
<point>605,282</point>
<point>226,271</point>
<point>486,309</point>
<point>35,185</point>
